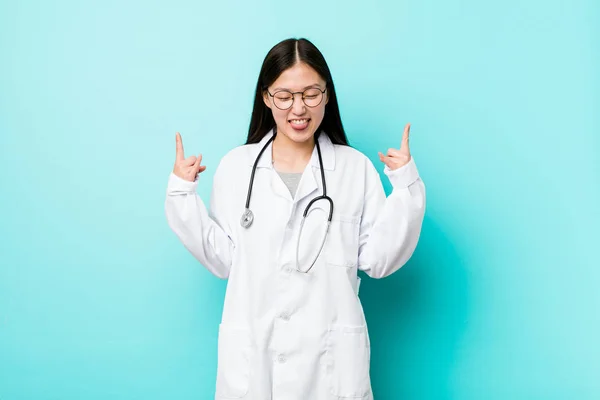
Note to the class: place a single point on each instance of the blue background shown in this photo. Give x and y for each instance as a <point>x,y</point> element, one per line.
<point>99,300</point>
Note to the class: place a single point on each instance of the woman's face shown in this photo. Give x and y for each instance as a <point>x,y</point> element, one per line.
<point>299,122</point>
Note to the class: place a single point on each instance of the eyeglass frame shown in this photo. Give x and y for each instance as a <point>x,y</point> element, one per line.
<point>294,97</point>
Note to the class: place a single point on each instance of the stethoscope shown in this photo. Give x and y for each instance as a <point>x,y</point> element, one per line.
<point>248,215</point>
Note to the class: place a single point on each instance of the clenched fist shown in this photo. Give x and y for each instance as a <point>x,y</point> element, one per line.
<point>186,168</point>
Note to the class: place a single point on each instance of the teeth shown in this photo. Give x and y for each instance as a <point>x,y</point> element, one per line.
<point>298,121</point>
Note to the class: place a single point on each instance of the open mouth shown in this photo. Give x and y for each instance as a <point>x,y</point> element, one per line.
<point>299,124</point>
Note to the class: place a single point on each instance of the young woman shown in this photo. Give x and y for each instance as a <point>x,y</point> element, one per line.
<point>293,215</point>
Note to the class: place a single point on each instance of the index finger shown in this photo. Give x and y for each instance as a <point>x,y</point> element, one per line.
<point>405,135</point>
<point>179,147</point>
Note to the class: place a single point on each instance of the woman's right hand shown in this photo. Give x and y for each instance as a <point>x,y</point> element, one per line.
<point>186,168</point>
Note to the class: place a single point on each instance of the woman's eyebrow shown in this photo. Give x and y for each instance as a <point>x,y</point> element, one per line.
<point>307,87</point>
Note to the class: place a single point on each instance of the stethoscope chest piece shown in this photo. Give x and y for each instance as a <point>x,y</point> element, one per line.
<point>247,218</point>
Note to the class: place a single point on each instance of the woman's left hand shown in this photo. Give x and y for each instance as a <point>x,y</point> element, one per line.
<point>397,158</point>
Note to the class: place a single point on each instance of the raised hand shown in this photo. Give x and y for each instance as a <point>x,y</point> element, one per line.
<point>397,158</point>
<point>186,168</point>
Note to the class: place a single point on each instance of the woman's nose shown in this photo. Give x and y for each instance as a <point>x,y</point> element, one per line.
<point>298,107</point>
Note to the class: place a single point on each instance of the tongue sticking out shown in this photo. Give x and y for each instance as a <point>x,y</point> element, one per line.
<point>299,125</point>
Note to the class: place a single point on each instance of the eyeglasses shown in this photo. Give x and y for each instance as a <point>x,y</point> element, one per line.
<point>284,99</point>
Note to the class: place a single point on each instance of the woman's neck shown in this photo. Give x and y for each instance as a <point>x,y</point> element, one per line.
<point>289,156</point>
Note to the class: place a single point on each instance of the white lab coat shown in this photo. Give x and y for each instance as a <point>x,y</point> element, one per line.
<point>286,335</point>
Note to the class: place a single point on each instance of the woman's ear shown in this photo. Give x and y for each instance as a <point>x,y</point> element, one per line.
<point>327,97</point>
<point>266,99</point>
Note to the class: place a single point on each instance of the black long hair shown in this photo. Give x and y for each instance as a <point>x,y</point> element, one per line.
<point>282,56</point>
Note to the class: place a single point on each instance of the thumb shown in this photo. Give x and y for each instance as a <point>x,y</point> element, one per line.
<point>197,163</point>
<point>384,159</point>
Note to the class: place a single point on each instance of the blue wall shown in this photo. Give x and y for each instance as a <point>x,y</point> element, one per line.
<point>98,299</point>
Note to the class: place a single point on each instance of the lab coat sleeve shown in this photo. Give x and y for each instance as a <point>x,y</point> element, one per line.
<point>390,227</point>
<point>206,234</point>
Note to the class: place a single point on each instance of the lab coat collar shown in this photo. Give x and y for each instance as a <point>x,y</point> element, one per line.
<point>327,153</point>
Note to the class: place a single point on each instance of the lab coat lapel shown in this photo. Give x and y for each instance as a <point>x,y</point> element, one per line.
<point>312,173</point>
<point>265,161</point>
<point>308,183</point>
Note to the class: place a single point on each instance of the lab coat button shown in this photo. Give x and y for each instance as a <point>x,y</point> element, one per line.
<point>285,316</point>
<point>290,225</point>
<point>281,358</point>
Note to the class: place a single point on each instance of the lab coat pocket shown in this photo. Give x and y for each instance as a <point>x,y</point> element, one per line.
<point>342,241</point>
<point>233,368</point>
<point>349,356</point>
